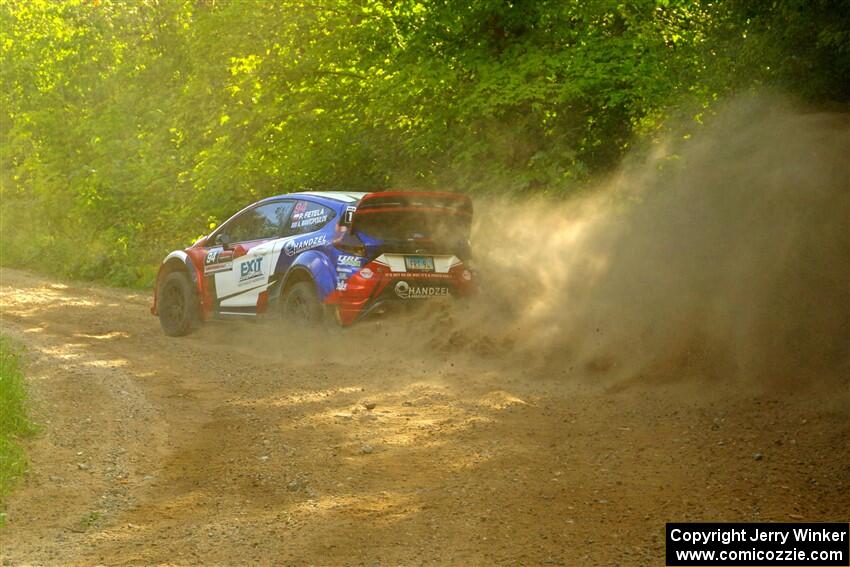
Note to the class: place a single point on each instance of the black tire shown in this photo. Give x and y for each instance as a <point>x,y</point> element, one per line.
<point>177,305</point>
<point>301,306</point>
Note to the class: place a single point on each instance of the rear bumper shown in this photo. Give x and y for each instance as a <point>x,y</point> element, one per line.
<point>376,288</point>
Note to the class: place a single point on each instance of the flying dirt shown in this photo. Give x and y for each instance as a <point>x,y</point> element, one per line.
<point>670,347</point>
<point>729,253</point>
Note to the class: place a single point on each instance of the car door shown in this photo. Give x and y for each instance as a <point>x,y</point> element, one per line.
<point>307,218</point>
<point>253,242</point>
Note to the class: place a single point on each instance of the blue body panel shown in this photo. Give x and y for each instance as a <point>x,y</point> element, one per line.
<point>318,264</point>
<point>314,251</point>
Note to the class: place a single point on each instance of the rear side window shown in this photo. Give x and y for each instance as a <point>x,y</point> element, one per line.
<point>265,221</point>
<point>308,217</point>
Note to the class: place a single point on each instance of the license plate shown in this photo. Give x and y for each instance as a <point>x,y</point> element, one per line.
<point>419,263</point>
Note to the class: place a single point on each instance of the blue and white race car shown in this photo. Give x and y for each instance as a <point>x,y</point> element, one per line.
<point>315,255</point>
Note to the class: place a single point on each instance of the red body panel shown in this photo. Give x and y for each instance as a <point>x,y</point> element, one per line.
<point>361,292</point>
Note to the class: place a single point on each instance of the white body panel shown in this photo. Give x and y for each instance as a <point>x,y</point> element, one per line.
<point>442,264</point>
<point>249,276</point>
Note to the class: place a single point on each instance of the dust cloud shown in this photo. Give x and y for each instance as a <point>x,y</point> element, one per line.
<point>723,256</point>
<point>727,258</point>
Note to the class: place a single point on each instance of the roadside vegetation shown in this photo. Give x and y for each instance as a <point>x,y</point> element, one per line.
<point>14,424</point>
<point>128,128</point>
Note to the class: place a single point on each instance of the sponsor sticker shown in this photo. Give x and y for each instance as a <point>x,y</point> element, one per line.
<point>309,218</point>
<point>293,247</point>
<point>341,285</point>
<point>251,270</point>
<point>421,276</point>
<point>366,274</point>
<point>309,222</point>
<point>218,260</point>
<point>348,260</point>
<point>212,255</point>
<point>405,290</point>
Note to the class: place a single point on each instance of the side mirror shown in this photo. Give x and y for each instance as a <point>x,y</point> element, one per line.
<point>222,239</point>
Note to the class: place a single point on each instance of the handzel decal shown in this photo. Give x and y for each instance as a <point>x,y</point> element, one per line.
<point>406,291</point>
<point>294,247</point>
<point>251,270</point>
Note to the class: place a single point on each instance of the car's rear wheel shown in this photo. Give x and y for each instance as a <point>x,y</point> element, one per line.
<point>177,305</point>
<point>301,305</point>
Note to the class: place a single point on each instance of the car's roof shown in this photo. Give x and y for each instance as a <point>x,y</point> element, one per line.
<point>340,196</point>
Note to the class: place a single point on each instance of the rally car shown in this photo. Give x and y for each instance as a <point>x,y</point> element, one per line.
<point>311,257</point>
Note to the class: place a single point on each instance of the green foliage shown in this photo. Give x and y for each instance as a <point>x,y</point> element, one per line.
<point>13,420</point>
<point>129,128</point>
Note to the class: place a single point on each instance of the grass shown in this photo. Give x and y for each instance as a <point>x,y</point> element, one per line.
<point>14,424</point>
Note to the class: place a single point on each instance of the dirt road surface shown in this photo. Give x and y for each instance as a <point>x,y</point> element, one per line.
<point>238,446</point>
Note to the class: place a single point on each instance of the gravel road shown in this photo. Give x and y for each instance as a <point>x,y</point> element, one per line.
<point>380,445</point>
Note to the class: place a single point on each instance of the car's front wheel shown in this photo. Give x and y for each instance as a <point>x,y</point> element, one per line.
<point>301,305</point>
<point>177,305</point>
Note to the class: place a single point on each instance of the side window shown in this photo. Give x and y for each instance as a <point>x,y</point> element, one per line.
<point>265,221</point>
<point>308,217</point>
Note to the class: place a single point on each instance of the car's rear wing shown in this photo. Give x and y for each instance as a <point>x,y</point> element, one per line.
<point>396,201</point>
<point>442,203</point>
<point>401,220</point>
